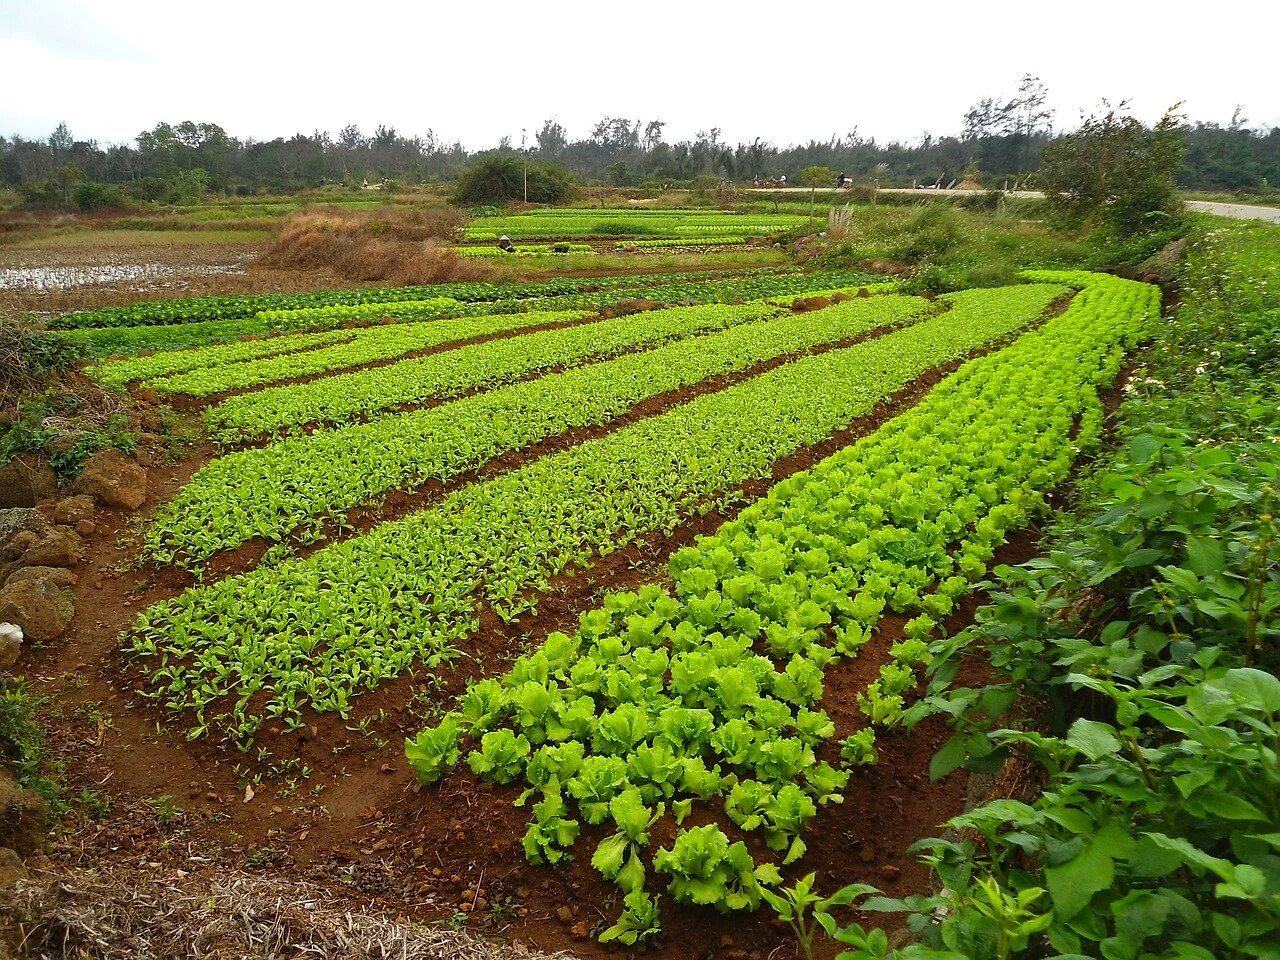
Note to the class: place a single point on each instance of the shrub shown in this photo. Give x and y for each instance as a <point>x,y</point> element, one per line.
<point>500,179</point>
<point>1116,172</point>
<point>92,195</point>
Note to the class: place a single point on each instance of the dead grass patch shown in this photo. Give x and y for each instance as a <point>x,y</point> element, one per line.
<point>119,912</point>
<point>396,246</point>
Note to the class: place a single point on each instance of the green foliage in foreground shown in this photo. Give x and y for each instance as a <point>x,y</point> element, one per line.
<point>1150,633</point>
<point>270,642</point>
<point>660,691</point>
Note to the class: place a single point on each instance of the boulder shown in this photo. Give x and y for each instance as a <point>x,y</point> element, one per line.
<point>26,479</point>
<point>72,510</point>
<point>59,576</point>
<point>10,644</point>
<point>20,520</point>
<point>40,607</point>
<point>59,547</point>
<point>24,817</point>
<point>13,549</point>
<point>113,479</point>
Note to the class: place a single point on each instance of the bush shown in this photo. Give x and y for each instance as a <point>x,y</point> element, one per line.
<point>92,195</point>
<point>1117,173</point>
<point>500,179</point>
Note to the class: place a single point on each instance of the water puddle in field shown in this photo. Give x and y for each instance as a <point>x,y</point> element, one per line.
<point>141,276</point>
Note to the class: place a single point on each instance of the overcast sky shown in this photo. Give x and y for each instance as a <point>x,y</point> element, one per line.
<point>475,70</point>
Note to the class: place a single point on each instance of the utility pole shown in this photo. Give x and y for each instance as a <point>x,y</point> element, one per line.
<point>524,135</point>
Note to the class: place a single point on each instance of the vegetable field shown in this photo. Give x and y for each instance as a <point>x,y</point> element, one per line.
<point>598,610</point>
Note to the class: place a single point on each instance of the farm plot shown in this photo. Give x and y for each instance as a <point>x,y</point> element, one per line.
<point>314,632</point>
<point>631,223</point>
<point>284,314</point>
<point>703,698</point>
<point>300,481</point>
<point>354,396</point>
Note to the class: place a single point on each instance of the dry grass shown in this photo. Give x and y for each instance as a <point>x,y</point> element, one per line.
<point>118,912</point>
<point>396,246</point>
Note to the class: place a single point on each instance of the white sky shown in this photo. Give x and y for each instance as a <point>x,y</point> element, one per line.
<point>475,70</point>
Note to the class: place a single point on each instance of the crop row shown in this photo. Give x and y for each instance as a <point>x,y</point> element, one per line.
<point>710,690</point>
<point>524,249</point>
<point>196,309</point>
<point>354,396</point>
<point>370,345</point>
<point>117,373</point>
<point>706,241</point>
<point>625,223</point>
<point>323,316</point>
<point>315,631</point>
<point>299,482</point>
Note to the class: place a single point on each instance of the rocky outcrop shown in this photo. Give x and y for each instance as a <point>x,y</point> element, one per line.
<point>112,479</point>
<point>25,480</point>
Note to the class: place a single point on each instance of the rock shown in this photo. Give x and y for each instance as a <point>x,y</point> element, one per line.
<point>24,817</point>
<point>14,549</point>
<point>18,520</point>
<point>565,914</point>
<point>57,548</point>
<point>40,607</point>
<point>12,868</point>
<point>85,527</point>
<point>73,509</point>
<point>113,479</point>
<point>10,644</point>
<point>60,577</point>
<point>26,479</point>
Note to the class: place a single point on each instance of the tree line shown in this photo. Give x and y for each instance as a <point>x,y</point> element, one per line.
<point>999,145</point>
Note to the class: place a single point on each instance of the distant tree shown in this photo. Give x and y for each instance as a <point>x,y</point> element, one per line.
<point>60,142</point>
<point>1116,172</point>
<point>1002,133</point>
<point>351,137</point>
<point>499,178</point>
<point>653,134</point>
<point>814,177</point>
<point>551,139</point>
